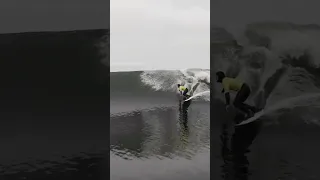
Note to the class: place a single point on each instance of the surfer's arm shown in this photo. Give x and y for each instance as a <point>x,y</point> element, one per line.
<point>185,91</point>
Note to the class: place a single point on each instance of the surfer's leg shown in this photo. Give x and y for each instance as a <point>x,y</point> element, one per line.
<point>186,105</point>
<point>186,97</point>
<point>242,96</point>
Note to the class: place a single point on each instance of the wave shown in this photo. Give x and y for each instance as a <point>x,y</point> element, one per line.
<point>156,83</point>
<point>168,80</point>
<point>278,60</point>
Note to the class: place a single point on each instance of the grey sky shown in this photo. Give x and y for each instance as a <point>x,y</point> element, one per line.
<point>48,15</point>
<point>153,34</point>
<point>235,14</point>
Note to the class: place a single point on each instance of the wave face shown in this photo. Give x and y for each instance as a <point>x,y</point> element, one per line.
<point>152,88</point>
<point>53,70</point>
<point>154,83</point>
<point>53,105</point>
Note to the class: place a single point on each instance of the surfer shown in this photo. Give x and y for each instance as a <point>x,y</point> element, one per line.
<point>184,90</point>
<point>187,89</point>
<point>243,92</point>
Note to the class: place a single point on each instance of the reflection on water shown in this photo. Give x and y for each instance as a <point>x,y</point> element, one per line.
<point>235,161</point>
<point>81,166</point>
<point>183,121</point>
<point>177,138</point>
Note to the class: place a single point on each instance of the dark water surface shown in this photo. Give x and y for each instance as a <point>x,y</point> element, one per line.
<point>286,148</point>
<point>54,106</point>
<point>161,143</point>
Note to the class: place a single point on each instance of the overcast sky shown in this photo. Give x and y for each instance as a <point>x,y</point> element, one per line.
<point>173,34</point>
<point>234,14</point>
<point>159,34</point>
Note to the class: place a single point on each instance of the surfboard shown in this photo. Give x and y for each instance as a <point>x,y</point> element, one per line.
<point>196,95</point>
<point>253,118</point>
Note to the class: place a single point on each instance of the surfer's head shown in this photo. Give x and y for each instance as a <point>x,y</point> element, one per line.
<point>179,85</point>
<point>219,76</point>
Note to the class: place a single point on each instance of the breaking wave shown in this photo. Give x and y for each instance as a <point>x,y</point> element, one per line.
<point>278,60</point>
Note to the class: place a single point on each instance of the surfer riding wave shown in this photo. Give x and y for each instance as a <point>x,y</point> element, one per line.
<point>186,89</point>
<point>243,92</point>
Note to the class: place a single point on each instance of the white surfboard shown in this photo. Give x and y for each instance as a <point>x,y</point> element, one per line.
<point>196,95</point>
<point>253,118</point>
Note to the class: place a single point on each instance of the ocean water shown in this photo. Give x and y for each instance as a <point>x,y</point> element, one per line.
<point>280,63</point>
<point>55,110</point>
<point>54,106</point>
<point>151,135</point>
